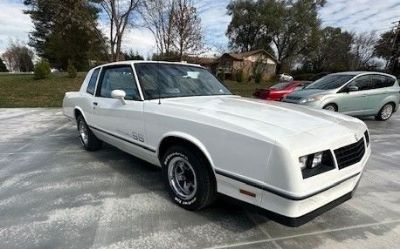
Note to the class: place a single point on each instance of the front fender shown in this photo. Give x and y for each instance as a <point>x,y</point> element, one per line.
<point>191,139</point>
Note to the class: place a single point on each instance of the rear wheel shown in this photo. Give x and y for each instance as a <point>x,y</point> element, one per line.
<point>385,113</point>
<point>331,107</point>
<point>188,177</point>
<point>89,141</point>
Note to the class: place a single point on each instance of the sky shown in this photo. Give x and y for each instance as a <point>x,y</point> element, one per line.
<point>352,15</point>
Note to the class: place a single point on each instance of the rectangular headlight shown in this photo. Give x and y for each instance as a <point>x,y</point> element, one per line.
<point>316,163</point>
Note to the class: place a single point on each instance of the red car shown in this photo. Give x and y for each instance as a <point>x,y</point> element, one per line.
<point>280,90</point>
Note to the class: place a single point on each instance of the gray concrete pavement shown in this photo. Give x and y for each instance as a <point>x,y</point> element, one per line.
<point>53,194</point>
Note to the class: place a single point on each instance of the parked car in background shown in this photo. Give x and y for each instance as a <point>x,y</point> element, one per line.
<point>280,90</point>
<point>206,140</point>
<point>353,93</point>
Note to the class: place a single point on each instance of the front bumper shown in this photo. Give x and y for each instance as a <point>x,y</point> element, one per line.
<point>314,104</point>
<point>297,210</point>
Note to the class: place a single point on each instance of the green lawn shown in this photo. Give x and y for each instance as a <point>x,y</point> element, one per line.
<point>245,89</point>
<point>23,91</point>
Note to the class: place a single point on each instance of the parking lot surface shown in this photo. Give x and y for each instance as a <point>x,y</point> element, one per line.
<point>53,194</point>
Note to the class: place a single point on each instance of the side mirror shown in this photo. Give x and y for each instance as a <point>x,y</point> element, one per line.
<point>352,89</point>
<point>119,94</point>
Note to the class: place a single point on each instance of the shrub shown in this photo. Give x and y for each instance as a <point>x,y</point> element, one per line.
<point>239,76</point>
<point>71,69</point>
<point>42,70</point>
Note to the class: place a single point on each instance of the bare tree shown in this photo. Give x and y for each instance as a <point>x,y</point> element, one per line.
<point>18,57</point>
<point>120,13</point>
<point>363,50</point>
<point>175,25</point>
<point>188,37</point>
<point>157,17</point>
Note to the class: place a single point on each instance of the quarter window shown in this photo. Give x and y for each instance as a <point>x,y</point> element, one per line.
<point>119,78</point>
<point>92,82</point>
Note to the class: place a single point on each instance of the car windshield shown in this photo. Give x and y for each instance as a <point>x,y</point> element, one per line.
<point>280,86</point>
<point>329,82</point>
<point>163,80</point>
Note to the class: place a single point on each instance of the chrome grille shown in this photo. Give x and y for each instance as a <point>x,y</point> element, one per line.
<point>350,154</point>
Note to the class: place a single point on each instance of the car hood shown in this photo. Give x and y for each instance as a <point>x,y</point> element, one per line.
<point>265,119</point>
<point>307,93</point>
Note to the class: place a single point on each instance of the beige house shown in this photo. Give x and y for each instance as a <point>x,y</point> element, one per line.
<point>256,61</point>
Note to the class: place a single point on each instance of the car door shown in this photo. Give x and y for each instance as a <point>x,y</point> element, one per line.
<point>120,122</point>
<point>354,102</point>
<point>378,92</point>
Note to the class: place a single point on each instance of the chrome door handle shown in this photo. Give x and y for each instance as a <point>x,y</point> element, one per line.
<point>95,103</point>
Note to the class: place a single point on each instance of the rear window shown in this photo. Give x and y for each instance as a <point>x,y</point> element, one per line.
<point>280,86</point>
<point>92,83</point>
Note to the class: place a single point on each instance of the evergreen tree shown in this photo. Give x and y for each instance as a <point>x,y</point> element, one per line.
<point>66,30</point>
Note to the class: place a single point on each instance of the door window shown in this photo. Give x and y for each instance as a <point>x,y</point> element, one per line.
<point>118,78</point>
<point>380,81</point>
<point>92,82</point>
<point>363,83</point>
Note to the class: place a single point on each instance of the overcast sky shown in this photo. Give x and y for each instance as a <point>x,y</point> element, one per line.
<point>352,15</point>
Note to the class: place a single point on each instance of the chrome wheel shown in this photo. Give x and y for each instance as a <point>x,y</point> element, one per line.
<point>387,111</point>
<point>83,132</point>
<point>330,108</point>
<point>182,178</point>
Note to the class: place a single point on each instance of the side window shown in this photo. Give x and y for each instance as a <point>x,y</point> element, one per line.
<point>118,78</point>
<point>362,82</point>
<point>389,81</point>
<point>92,82</point>
<point>380,81</point>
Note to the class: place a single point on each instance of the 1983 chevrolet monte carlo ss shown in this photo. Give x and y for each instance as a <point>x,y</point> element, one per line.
<point>294,161</point>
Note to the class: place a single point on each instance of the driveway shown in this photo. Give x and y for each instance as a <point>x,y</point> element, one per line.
<point>53,194</point>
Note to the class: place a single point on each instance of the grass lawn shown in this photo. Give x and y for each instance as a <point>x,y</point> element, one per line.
<point>23,91</point>
<point>245,89</point>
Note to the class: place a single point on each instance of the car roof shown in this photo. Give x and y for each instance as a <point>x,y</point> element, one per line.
<point>148,62</point>
<point>356,73</point>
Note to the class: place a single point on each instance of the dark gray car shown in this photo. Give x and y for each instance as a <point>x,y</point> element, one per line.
<point>353,93</point>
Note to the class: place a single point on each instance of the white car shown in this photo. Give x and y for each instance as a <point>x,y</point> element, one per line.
<point>291,160</point>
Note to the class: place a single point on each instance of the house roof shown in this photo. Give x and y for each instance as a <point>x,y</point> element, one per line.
<point>241,56</point>
<point>203,60</point>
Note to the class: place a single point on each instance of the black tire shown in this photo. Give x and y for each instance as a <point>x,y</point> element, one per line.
<point>92,143</point>
<point>206,190</point>
<point>382,114</point>
<point>330,107</point>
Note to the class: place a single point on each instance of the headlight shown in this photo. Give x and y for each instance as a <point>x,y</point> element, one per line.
<point>311,99</point>
<point>316,163</point>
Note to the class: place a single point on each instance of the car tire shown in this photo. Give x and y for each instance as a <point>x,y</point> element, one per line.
<point>89,141</point>
<point>385,112</point>
<point>190,181</point>
<point>331,107</point>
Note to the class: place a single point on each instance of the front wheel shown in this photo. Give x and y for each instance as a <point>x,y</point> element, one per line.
<point>331,107</point>
<point>385,113</point>
<point>89,141</point>
<point>188,177</point>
